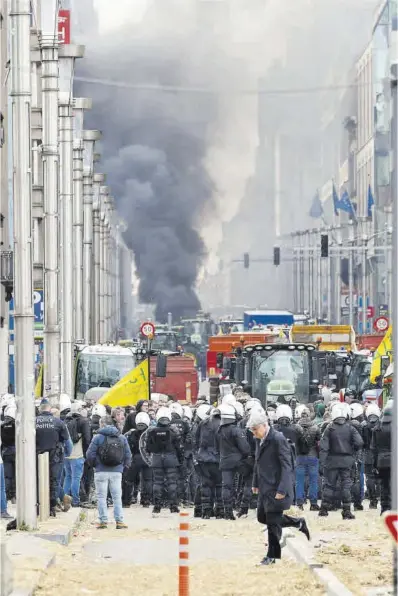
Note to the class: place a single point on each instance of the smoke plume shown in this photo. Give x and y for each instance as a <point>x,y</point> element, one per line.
<point>188,170</point>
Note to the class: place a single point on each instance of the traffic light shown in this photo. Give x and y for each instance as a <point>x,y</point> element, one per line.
<point>277,255</point>
<point>246,260</point>
<point>324,245</point>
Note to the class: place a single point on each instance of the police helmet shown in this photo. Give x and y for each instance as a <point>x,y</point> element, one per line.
<point>284,411</point>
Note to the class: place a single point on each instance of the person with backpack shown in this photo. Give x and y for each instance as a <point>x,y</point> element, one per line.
<point>80,434</point>
<point>110,454</point>
<point>307,462</point>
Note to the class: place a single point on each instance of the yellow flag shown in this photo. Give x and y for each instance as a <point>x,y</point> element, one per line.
<point>129,390</point>
<point>384,349</point>
<point>39,383</point>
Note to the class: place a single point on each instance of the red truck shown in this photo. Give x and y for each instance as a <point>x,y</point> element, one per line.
<point>181,380</point>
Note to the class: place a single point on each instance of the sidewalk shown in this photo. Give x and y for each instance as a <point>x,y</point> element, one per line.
<point>33,552</point>
<point>358,552</point>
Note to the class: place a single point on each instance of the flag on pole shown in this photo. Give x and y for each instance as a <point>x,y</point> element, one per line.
<point>371,201</point>
<point>130,389</point>
<point>346,205</point>
<point>316,210</point>
<point>336,202</point>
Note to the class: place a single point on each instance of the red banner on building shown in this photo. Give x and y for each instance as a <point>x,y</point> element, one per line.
<point>64,27</point>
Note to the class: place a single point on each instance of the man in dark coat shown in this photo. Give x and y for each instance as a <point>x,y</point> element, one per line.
<point>274,482</point>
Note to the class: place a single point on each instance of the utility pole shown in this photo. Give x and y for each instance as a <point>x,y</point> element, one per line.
<point>67,57</point>
<point>4,194</point>
<point>104,192</point>
<point>23,264</point>
<point>89,139</point>
<point>351,284</point>
<point>80,104</point>
<point>394,305</point>
<point>48,39</point>
<point>98,181</point>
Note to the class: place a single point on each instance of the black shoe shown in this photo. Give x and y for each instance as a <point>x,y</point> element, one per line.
<point>207,514</point>
<point>197,512</point>
<point>346,513</point>
<point>229,514</point>
<point>53,512</point>
<point>373,504</point>
<point>219,515</point>
<point>174,509</point>
<point>304,529</point>
<point>358,507</point>
<point>145,504</point>
<point>267,561</point>
<point>301,507</point>
<point>134,501</point>
<point>243,511</point>
<point>323,512</point>
<point>156,510</point>
<point>314,507</point>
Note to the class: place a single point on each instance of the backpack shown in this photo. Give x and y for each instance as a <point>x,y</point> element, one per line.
<point>304,442</point>
<point>71,423</point>
<point>111,451</point>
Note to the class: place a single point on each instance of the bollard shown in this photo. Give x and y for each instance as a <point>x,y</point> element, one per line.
<point>183,576</point>
<point>44,486</point>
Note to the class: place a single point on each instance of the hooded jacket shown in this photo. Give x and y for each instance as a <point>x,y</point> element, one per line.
<point>98,439</point>
<point>129,423</point>
<point>307,443</point>
<point>83,428</point>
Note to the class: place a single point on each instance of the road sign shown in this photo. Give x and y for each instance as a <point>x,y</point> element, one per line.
<point>383,310</point>
<point>381,324</point>
<point>370,312</point>
<point>391,521</point>
<point>147,329</point>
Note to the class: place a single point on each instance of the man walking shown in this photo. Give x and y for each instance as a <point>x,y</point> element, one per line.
<point>273,481</point>
<point>109,453</point>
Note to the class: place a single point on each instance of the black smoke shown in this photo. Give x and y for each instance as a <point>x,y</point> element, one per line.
<point>154,148</point>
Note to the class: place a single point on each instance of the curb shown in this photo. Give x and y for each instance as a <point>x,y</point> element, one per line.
<point>62,536</point>
<point>19,546</point>
<point>31,591</point>
<point>301,553</point>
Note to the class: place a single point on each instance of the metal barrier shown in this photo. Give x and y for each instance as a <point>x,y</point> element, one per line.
<point>43,465</point>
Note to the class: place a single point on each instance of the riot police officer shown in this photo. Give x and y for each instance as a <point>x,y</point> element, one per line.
<point>52,436</point>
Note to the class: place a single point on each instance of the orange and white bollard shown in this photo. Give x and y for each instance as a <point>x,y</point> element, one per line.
<point>183,575</point>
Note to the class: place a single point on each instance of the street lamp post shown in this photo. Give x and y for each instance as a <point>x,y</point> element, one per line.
<point>67,56</point>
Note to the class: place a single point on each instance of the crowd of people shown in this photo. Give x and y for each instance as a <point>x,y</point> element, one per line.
<point>221,459</point>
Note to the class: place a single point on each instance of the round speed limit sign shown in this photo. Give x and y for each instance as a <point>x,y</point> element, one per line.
<point>147,329</point>
<point>381,324</point>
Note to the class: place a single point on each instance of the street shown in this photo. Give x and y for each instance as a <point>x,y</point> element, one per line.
<point>224,557</point>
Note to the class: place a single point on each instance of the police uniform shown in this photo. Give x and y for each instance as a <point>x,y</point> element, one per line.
<point>52,436</point>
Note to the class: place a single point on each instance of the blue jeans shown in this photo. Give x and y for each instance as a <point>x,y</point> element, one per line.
<point>307,466</point>
<point>73,475</point>
<point>3,498</point>
<point>114,481</point>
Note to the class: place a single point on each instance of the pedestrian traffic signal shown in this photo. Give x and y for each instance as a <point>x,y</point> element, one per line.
<point>324,245</point>
<point>277,255</point>
<point>246,260</point>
